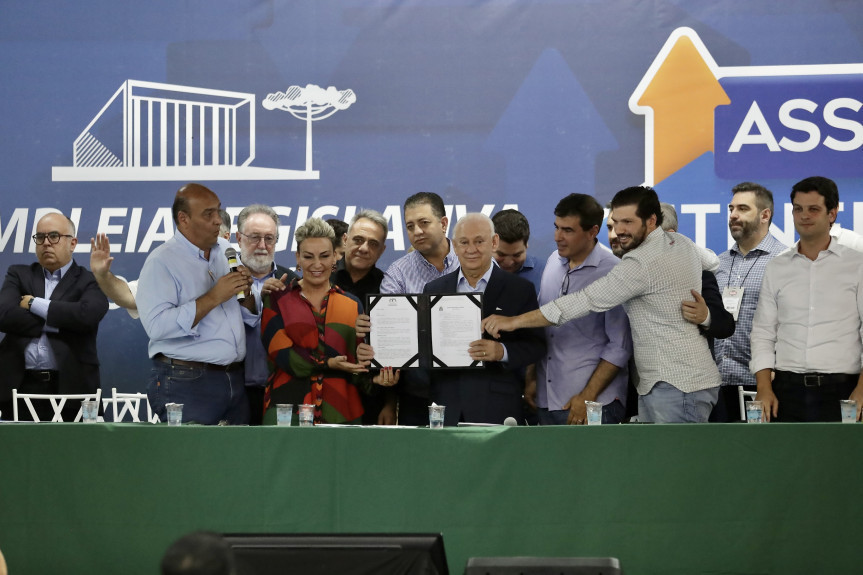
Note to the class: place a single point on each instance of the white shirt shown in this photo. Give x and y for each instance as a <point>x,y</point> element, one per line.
<point>810,313</point>
<point>651,282</point>
<point>133,287</point>
<point>848,238</point>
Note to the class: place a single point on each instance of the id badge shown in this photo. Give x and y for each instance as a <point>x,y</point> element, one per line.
<point>731,299</point>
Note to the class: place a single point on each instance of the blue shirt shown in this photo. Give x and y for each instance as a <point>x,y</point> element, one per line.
<point>532,270</point>
<point>575,348</point>
<point>462,286</point>
<point>174,276</point>
<point>736,270</point>
<point>39,354</point>
<point>411,272</point>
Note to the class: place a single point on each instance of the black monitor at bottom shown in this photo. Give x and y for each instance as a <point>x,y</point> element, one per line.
<point>338,554</point>
<point>542,566</point>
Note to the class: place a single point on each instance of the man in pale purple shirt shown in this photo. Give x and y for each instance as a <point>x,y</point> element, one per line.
<point>587,358</point>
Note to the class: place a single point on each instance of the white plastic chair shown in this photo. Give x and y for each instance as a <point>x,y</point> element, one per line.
<point>131,405</point>
<point>744,396</point>
<point>58,402</point>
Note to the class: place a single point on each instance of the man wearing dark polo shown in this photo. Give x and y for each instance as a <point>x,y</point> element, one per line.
<point>190,310</point>
<point>809,316</point>
<point>357,273</point>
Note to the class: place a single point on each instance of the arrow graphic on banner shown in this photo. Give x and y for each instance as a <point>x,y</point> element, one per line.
<point>677,96</point>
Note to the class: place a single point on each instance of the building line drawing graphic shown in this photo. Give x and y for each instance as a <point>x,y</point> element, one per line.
<point>150,131</point>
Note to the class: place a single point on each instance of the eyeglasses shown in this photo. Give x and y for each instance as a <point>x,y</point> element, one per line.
<point>52,237</point>
<point>564,286</point>
<point>256,239</point>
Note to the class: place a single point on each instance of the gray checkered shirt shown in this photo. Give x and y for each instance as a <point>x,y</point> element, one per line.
<point>651,282</point>
<point>737,270</point>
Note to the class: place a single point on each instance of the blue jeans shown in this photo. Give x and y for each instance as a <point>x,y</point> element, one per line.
<point>613,412</point>
<point>208,396</point>
<point>667,404</point>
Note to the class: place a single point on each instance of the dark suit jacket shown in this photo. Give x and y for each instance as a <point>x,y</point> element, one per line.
<point>77,307</point>
<point>721,321</point>
<point>492,393</point>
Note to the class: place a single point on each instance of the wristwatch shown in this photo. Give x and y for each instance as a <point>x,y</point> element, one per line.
<point>30,302</point>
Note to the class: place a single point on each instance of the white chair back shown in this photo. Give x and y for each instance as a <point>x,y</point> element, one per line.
<point>58,402</point>
<point>123,403</point>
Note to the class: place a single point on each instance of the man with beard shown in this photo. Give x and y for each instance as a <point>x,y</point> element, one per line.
<point>678,380</point>
<point>257,234</point>
<point>741,269</point>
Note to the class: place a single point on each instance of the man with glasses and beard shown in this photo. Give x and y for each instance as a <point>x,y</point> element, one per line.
<point>678,380</point>
<point>257,234</point>
<point>50,312</point>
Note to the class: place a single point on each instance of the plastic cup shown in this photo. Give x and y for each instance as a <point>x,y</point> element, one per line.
<point>175,414</point>
<point>307,415</point>
<point>284,412</point>
<point>754,412</point>
<point>849,410</point>
<point>89,411</point>
<point>594,412</point>
<point>436,413</point>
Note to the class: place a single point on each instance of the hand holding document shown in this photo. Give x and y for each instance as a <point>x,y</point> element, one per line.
<point>428,331</point>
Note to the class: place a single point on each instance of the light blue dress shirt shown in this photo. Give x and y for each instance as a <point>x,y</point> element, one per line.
<point>462,286</point>
<point>39,354</point>
<point>174,276</point>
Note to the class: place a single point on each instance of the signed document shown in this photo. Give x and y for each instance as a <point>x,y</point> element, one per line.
<point>456,321</point>
<point>424,330</point>
<point>395,334</point>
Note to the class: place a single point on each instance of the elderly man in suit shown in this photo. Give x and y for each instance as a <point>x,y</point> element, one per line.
<point>50,312</point>
<point>494,392</point>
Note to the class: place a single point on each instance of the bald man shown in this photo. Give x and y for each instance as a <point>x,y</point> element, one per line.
<point>187,298</point>
<point>50,312</point>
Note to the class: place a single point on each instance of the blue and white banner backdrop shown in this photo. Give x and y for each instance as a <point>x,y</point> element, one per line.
<point>320,108</point>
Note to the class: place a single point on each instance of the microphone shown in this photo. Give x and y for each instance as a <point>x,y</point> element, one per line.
<point>510,422</point>
<point>234,264</point>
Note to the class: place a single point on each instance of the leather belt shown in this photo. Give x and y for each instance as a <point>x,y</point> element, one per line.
<point>199,364</point>
<point>815,379</point>
<point>43,375</point>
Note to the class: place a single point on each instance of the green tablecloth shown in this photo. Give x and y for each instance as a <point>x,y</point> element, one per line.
<point>104,498</point>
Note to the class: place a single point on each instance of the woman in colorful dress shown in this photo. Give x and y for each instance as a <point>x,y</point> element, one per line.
<point>308,332</point>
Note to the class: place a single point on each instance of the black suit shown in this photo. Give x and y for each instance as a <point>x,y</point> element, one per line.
<point>494,392</point>
<point>77,306</point>
<point>721,326</point>
<point>721,321</point>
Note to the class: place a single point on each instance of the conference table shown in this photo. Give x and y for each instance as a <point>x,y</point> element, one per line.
<point>664,499</point>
